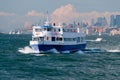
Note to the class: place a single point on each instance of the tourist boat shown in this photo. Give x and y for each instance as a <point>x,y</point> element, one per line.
<point>62,38</point>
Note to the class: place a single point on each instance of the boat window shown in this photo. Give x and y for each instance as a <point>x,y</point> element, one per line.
<point>53,38</point>
<point>68,30</point>
<point>59,39</point>
<point>65,30</point>
<point>35,39</point>
<point>59,30</point>
<point>41,38</point>
<point>56,29</point>
<point>82,39</point>
<point>74,39</point>
<point>48,29</point>
<point>48,38</point>
<point>72,30</point>
<point>65,39</point>
<point>45,29</point>
<point>69,39</point>
<point>78,39</point>
<point>38,30</point>
<point>53,24</point>
<point>38,39</point>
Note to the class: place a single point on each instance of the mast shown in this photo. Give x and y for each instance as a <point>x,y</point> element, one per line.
<point>47,22</point>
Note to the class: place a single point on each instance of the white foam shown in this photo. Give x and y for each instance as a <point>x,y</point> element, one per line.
<point>27,50</point>
<point>115,50</point>
<point>79,52</point>
<point>65,52</point>
<point>36,54</point>
<point>52,51</point>
<point>96,40</point>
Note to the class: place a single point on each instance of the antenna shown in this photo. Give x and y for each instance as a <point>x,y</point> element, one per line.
<point>47,16</point>
<point>47,23</point>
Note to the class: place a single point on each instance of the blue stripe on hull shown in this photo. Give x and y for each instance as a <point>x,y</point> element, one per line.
<point>58,47</point>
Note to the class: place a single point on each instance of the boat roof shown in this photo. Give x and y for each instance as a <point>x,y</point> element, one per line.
<point>42,26</point>
<point>46,26</point>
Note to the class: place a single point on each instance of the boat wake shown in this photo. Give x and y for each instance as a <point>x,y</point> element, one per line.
<point>27,50</point>
<point>115,50</point>
<point>96,40</point>
<point>79,52</point>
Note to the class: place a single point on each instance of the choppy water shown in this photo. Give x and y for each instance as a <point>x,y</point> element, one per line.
<point>78,66</point>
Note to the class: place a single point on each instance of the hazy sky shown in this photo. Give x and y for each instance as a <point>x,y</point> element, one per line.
<point>19,13</point>
<point>24,6</point>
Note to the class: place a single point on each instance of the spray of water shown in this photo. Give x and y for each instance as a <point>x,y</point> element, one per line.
<point>27,50</point>
<point>115,50</point>
<point>79,52</point>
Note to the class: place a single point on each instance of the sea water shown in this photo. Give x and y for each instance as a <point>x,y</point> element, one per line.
<point>27,65</point>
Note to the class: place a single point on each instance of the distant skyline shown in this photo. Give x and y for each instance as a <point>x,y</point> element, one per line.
<point>15,14</point>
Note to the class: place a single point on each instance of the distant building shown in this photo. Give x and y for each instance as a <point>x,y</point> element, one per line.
<point>115,21</point>
<point>112,21</point>
<point>101,21</point>
<point>92,22</point>
<point>118,20</point>
<point>83,24</point>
